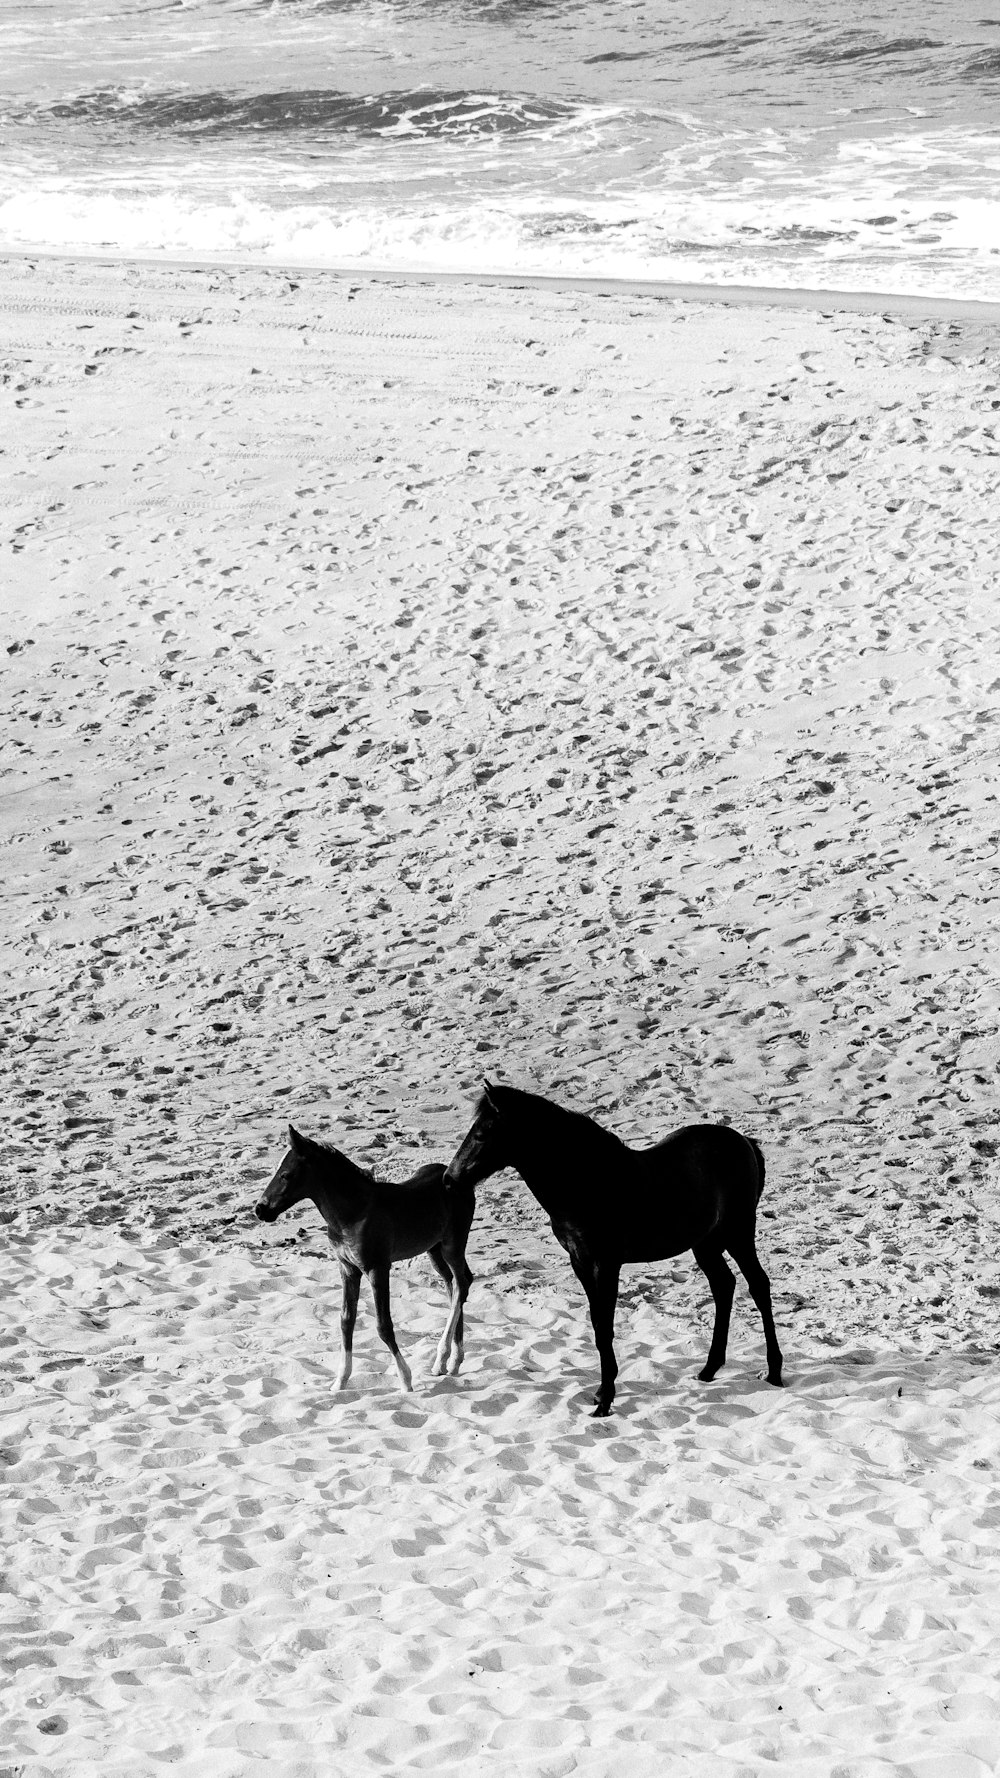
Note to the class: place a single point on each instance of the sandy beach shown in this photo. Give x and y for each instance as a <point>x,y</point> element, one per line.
<point>406,680</point>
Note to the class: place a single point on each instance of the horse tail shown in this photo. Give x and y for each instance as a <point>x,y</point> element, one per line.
<point>758,1155</point>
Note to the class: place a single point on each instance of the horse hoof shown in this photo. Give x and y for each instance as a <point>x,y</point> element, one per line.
<point>776,1382</point>
<point>706,1376</point>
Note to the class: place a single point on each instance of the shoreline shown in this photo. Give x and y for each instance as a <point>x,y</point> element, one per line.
<point>750,296</point>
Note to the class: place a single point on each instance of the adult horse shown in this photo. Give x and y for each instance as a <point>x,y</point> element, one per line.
<point>370,1224</point>
<point>611,1206</point>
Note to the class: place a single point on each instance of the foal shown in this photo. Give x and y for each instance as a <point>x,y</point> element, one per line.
<point>610,1206</point>
<point>371,1224</point>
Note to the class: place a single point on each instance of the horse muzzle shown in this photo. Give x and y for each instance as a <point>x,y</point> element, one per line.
<point>265,1212</point>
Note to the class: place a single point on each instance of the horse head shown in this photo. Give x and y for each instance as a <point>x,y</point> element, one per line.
<point>485,1149</point>
<point>295,1178</point>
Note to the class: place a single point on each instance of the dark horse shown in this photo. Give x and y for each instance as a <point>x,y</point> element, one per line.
<point>370,1224</point>
<point>612,1206</point>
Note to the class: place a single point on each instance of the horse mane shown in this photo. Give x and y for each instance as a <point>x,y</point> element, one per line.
<point>551,1121</point>
<point>327,1152</point>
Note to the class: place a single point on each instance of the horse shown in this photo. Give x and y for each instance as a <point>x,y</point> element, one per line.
<point>610,1206</point>
<point>370,1224</point>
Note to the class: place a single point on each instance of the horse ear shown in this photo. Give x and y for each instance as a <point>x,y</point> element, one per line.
<point>488,1093</point>
<point>295,1140</point>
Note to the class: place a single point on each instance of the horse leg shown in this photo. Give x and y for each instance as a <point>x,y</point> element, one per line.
<point>351,1276</point>
<point>441,1266</point>
<point>600,1280</point>
<point>723,1286</point>
<point>463,1209</point>
<point>378,1278</point>
<point>454,1333</point>
<point>745,1255</point>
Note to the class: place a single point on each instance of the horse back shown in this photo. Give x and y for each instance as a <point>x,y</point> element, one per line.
<point>700,1149</point>
<point>413,1215</point>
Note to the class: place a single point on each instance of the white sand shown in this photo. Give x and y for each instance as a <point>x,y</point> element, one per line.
<point>600,690</point>
<point>216,1564</point>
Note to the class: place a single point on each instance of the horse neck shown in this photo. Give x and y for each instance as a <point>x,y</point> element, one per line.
<point>559,1151</point>
<point>339,1186</point>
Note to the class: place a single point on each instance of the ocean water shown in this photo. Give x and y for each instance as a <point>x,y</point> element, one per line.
<point>838,146</point>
